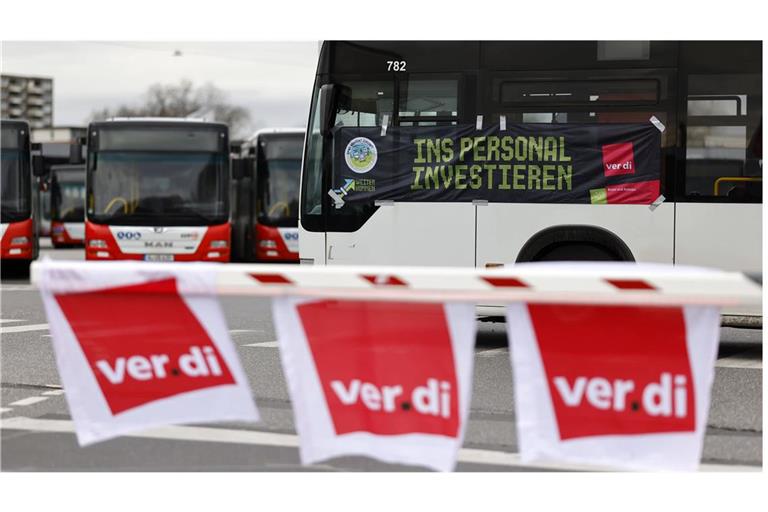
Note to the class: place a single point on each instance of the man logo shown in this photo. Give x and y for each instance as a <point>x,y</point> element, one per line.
<point>158,229</point>
<point>361,155</point>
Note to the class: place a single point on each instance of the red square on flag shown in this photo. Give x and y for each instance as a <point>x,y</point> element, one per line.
<point>618,159</point>
<point>386,368</point>
<point>143,343</point>
<point>615,370</point>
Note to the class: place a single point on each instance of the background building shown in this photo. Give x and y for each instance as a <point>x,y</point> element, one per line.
<point>29,98</point>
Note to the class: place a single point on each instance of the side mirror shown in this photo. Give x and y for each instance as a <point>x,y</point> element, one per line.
<point>328,93</point>
<point>38,167</point>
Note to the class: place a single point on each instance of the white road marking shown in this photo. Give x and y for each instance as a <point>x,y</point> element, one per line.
<point>492,352</point>
<point>8,320</point>
<point>5,409</point>
<point>20,288</point>
<point>222,435</point>
<point>29,401</point>
<point>746,360</point>
<point>54,392</point>
<point>263,344</point>
<point>24,328</point>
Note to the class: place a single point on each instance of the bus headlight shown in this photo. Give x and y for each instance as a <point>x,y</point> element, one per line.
<point>97,244</point>
<point>218,244</point>
<point>267,244</point>
<point>19,240</point>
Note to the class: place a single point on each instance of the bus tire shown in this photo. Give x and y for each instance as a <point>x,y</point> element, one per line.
<point>575,243</point>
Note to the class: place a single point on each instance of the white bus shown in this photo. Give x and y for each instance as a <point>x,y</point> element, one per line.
<point>465,153</point>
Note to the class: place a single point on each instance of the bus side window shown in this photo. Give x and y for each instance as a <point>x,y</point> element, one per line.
<point>366,103</point>
<point>428,102</point>
<point>723,132</point>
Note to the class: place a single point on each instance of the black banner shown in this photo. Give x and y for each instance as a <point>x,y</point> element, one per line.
<point>548,163</point>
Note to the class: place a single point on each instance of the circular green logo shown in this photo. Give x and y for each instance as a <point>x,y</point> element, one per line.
<point>361,155</point>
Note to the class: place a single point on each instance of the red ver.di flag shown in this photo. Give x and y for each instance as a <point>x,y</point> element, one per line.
<point>381,379</point>
<point>623,386</point>
<point>139,346</point>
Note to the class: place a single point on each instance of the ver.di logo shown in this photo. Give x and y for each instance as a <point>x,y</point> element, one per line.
<point>360,155</point>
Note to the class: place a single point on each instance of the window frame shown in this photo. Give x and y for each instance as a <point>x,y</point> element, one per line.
<point>741,120</point>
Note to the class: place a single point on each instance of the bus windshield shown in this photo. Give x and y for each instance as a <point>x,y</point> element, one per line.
<point>15,179</point>
<point>68,195</point>
<point>170,177</point>
<point>278,176</point>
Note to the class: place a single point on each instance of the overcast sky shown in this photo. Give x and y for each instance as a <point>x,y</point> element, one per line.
<point>272,80</point>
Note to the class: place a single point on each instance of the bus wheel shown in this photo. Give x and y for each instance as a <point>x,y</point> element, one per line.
<point>577,252</point>
<point>574,243</point>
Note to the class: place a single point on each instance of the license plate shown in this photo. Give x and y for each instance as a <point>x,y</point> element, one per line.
<point>158,257</point>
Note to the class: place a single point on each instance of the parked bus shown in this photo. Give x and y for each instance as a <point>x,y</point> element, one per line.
<point>483,153</point>
<point>67,205</point>
<point>157,189</point>
<point>19,244</point>
<point>59,145</point>
<point>267,197</point>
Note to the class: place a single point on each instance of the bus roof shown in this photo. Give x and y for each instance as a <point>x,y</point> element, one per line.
<point>18,123</point>
<point>272,131</point>
<point>157,121</point>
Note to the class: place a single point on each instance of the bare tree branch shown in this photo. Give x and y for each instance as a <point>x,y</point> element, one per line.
<point>182,100</point>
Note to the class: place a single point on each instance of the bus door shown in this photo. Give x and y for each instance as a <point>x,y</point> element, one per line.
<point>391,232</point>
<point>719,209</point>
<point>610,218</point>
<point>242,199</point>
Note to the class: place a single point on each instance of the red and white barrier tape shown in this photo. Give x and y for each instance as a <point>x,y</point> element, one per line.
<point>566,283</point>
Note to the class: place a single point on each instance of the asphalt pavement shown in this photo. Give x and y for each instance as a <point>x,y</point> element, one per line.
<point>37,433</point>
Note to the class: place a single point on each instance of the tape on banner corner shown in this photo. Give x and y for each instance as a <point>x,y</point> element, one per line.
<point>658,124</point>
<point>657,202</point>
<point>479,123</point>
<point>337,199</point>
<point>502,123</point>
<point>384,124</point>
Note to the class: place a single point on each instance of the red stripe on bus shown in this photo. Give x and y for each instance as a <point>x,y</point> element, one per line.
<point>631,284</point>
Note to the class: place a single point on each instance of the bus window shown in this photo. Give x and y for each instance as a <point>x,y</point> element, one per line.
<point>312,181</point>
<point>426,102</point>
<point>723,121</point>
<point>362,104</point>
<point>365,104</point>
<point>578,92</point>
